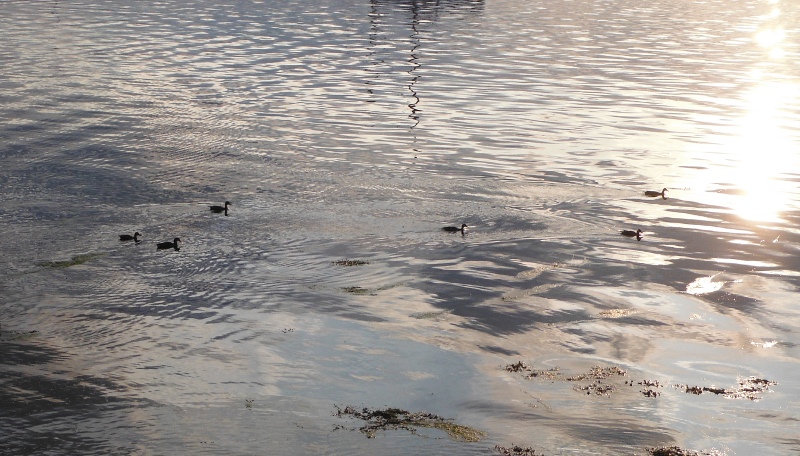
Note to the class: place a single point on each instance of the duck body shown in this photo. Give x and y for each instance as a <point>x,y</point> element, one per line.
<point>175,244</point>
<point>630,233</point>
<point>128,237</point>
<point>220,209</point>
<point>652,193</point>
<point>454,229</point>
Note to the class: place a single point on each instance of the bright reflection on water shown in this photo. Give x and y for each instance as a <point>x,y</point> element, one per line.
<point>356,130</point>
<point>765,148</point>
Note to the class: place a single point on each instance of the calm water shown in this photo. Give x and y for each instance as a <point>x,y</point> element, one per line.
<point>355,129</point>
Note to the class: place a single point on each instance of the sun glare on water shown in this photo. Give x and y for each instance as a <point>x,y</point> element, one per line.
<point>752,156</point>
<point>764,143</point>
<point>772,40</point>
<point>765,150</point>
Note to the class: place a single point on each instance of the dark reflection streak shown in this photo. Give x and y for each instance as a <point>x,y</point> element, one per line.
<point>421,11</point>
<point>413,60</point>
<point>373,42</point>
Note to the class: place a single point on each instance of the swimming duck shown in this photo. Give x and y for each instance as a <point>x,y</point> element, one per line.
<point>218,209</point>
<point>453,229</point>
<point>169,245</point>
<point>630,233</point>
<point>128,237</point>
<point>654,193</point>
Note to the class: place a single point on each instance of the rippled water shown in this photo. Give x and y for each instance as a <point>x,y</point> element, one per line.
<point>355,130</point>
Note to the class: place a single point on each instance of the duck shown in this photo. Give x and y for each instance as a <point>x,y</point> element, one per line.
<point>169,245</point>
<point>128,237</point>
<point>453,229</point>
<point>630,233</point>
<point>219,209</point>
<point>653,193</point>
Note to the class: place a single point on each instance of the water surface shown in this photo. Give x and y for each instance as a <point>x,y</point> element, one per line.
<point>355,130</point>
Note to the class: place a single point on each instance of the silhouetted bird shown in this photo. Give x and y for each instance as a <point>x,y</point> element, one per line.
<point>654,193</point>
<point>128,237</point>
<point>218,209</point>
<point>169,245</point>
<point>630,233</point>
<point>453,229</point>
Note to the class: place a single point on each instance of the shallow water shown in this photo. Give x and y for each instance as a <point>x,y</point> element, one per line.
<point>355,130</point>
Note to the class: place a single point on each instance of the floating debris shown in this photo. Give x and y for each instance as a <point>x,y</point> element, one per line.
<point>678,451</point>
<point>530,372</point>
<point>394,418</point>
<point>516,450</point>
<point>519,366</point>
<point>748,388</point>
<point>751,387</point>
<point>618,313</point>
<point>598,373</point>
<point>347,262</point>
<point>699,390</point>
<point>356,290</point>
<point>649,384</point>
<point>597,387</point>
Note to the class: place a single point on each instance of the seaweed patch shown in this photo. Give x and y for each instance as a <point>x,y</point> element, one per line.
<point>597,381</point>
<point>530,372</point>
<point>356,290</point>
<point>6,336</point>
<point>394,419</point>
<point>747,388</point>
<point>598,373</point>
<point>74,261</point>
<point>370,291</point>
<point>595,376</point>
<point>430,315</point>
<point>618,313</point>
<point>516,450</point>
<point>678,451</point>
<point>347,262</point>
